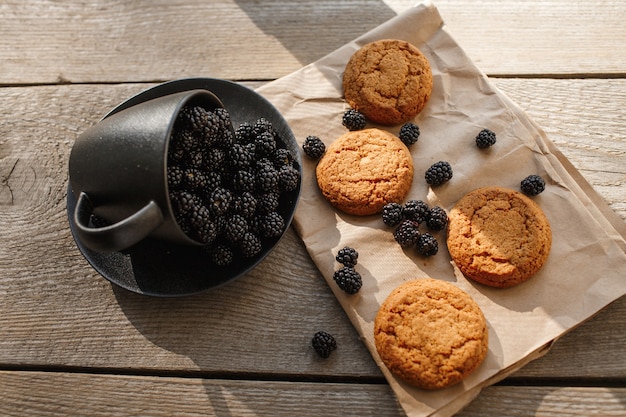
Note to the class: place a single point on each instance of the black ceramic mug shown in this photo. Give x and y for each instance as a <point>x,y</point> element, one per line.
<point>118,171</point>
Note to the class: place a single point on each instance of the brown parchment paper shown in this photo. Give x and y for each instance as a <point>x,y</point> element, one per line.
<point>585,271</point>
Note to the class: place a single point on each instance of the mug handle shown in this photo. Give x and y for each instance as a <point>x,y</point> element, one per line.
<point>120,235</point>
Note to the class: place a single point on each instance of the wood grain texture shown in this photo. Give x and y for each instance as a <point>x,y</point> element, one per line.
<point>103,41</point>
<point>55,394</point>
<point>48,316</point>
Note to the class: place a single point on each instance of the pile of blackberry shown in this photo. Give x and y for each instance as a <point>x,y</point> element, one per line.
<point>407,220</point>
<point>226,186</point>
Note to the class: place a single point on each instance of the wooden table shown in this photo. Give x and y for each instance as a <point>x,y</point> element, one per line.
<point>73,344</point>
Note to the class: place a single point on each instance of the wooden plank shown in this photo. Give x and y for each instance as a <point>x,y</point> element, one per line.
<point>98,41</point>
<point>48,394</point>
<point>55,311</point>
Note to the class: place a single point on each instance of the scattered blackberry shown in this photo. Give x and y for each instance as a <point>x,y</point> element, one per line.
<point>427,245</point>
<point>198,221</point>
<point>313,147</point>
<point>409,133</point>
<point>416,210</point>
<point>439,173</point>
<point>533,185</point>
<point>211,131</point>
<point>323,343</point>
<point>438,219</point>
<point>347,256</point>
<point>267,202</point>
<point>267,178</point>
<point>250,245</point>
<point>288,178</point>
<point>485,139</point>
<point>226,139</point>
<point>348,279</point>
<point>235,228</point>
<point>244,204</point>
<point>174,176</point>
<point>272,225</point>
<point>407,233</point>
<point>354,120</point>
<point>213,181</point>
<point>183,141</point>
<point>392,214</point>
<point>219,201</point>
<point>183,202</point>
<point>221,255</point>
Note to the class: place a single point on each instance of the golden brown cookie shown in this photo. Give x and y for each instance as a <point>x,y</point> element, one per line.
<point>498,237</point>
<point>389,81</point>
<point>363,170</point>
<point>430,333</point>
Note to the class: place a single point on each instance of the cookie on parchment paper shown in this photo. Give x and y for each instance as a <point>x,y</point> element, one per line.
<point>363,170</point>
<point>498,237</point>
<point>430,333</point>
<point>389,81</point>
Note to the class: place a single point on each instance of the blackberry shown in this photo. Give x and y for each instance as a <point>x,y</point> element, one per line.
<point>183,141</point>
<point>243,180</point>
<point>347,256</point>
<point>392,214</point>
<point>183,202</point>
<point>174,176</point>
<point>533,185</point>
<point>409,133</point>
<point>282,157</point>
<point>439,173</point>
<point>235,228</point>
<point>194,118</point>
<point>485,139</point>
<point>194,179</point>
<point>223,118</point>
<point>267,202</point>
<point>226,139</point>
<point>323,343</point>
<point>214,159</point>
<point>244,204</point>
<point>219,201</point>
<point>250,245</point>
<point>267,178</point>
<point>407,233</point>
<point>213,181</point>
<point>197,223</point>
<point>348,279</point>
<point>288,178</point>
<point>354,120</point>
<point>427,245</point>
<point>194,159</point>
<point>211,131</point>
<point>263,125</point>
<point>240,156</point>
<point>313,147</point>
<point>438,219</point>
<point>244,133</point>
<point>272,225</point>
<point>265,144</point>
<point>221,255</point>
<point>416,210</point>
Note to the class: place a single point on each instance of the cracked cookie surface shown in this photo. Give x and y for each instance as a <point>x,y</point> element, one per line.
<point>363,170</point>
<point>430,333</point>
<point>498,236</point>
<point>389,81</point>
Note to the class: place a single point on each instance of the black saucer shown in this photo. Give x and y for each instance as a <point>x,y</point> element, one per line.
<point>157,268</point>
